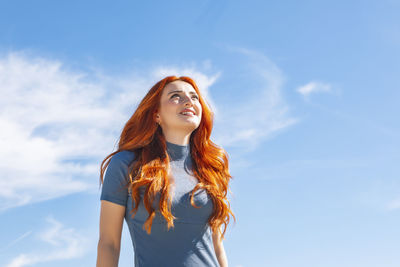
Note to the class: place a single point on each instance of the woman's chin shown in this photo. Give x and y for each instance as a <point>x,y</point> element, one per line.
<point>189,118</point>
<point>192,124</point>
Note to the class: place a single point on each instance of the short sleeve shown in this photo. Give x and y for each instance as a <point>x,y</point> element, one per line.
<point>116,178</point>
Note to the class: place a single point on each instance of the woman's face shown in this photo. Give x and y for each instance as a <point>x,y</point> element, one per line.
<point>177,97</point>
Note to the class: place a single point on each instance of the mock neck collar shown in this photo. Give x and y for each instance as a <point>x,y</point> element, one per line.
<point>178,152</point>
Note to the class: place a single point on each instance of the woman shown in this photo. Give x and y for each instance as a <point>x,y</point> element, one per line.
<point>169,181</point>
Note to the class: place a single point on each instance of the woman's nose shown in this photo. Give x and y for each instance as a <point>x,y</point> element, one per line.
<point>188,99</point>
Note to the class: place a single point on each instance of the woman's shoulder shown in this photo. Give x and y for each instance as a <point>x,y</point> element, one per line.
<point>124,156</point>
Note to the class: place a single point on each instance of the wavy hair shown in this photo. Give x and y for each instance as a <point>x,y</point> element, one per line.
<point>142,135</point>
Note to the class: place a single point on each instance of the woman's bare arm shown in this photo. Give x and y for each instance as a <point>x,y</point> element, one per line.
<point>219,250</point>
<point>111,222</point>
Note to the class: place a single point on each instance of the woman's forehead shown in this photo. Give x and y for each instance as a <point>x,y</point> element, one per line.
<point>181,85</point>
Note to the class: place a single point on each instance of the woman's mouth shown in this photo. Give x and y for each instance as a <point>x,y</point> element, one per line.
<point>187,113</point>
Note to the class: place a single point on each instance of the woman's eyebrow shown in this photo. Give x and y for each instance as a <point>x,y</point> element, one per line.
<point>175,91</point>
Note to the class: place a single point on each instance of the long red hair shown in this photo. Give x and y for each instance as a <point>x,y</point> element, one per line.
<point>150,168</point>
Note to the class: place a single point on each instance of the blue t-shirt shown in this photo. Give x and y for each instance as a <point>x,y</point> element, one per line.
<point>189,242</point>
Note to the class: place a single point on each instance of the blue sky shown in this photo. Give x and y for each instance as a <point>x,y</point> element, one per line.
<point>305,95</point>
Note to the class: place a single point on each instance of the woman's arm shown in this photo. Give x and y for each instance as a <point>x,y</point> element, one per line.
<point>219,250</point>
<point>111,222</point>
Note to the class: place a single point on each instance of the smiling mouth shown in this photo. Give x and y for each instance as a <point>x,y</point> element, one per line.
<point>189,114</point>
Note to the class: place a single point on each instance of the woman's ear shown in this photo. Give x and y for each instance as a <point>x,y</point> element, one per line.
<point>157,118</point>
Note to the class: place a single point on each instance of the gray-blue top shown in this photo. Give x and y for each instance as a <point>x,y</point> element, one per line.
<point>189,242</point>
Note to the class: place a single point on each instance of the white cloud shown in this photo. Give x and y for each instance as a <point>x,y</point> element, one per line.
<point>313,87</point>
<point>65,243</point>
<point>15,241</point>
<point>50,117</point>
<point>262,114</point>
<point>393,205</point>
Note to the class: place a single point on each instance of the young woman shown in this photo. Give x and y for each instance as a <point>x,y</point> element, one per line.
<point>169,181</point>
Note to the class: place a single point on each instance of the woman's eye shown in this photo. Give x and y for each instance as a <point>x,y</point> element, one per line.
<point>174,95</point>
<point>194,96</point>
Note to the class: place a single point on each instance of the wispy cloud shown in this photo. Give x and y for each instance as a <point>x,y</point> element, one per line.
<point>261,115</point>
<point>313,87</point>
<point>65,243</point>
<point>15,241</point>
<point>393,205</point>
<point>50,118</point>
